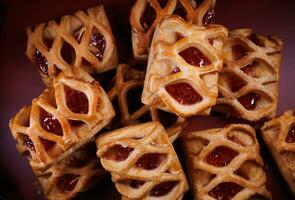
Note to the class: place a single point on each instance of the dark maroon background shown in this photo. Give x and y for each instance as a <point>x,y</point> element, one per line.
<point>20,81</point>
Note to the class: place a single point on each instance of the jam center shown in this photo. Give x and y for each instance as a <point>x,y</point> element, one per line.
<point>225,191</point>
<point>28,142</point>
<point>184,93</point>
<point>235,83</point>
<point>209,17</point>
<point>118,153</point>
<point>249,101</point>
<point>50,123</point>
<point>150,161</point>
<point>148,17</point>
<point>47,144</point>
<point>163,188</point>
<point>76,101</point>
<point>195,57</point>
<point>291,135</point>
<point>41,62</point>
<point>180,10</point>
<point>221,156</point>
<point>98,41</point>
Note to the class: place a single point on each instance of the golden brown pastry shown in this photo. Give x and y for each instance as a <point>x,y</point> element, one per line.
<point>127,92</point>
<point>147,14</point>
<point>183,67</point>
<point>142,162</point>
<point>248,84</point>
<point>83,40</point>
<point>60,120</point>
<point>224,164</point>
<point>74,174</point>
<point>279,135</point>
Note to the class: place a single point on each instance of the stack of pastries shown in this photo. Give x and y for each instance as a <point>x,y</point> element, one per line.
<point>84,126</point>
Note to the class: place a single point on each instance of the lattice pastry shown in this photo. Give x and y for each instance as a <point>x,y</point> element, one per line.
<point>142,162</point>
<point>61,120</point>
<point>83,40</point>
<point>127,91</point>
<point>248,84</point>
<point>147,14</point>
<point>183,67</point>
<point>225,164</point>
<point>76,173</point>
<point>279,135</point>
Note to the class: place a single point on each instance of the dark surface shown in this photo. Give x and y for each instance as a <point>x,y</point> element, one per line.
<point>20,81</point>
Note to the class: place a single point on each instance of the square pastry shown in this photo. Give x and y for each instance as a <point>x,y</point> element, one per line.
<point>279,136</point>
<point>83,40</point>
<point>142,162</point>
<point>183,67</point>
<point>224,163</point>
<point>76,173</point>
<point>60,120</point>
<point>248,83</point>
<point>126,94</point>
<point>147,14</point>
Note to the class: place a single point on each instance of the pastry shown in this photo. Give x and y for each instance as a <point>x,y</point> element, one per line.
<point>183,67</point>
<point>74,174</point>
<point>147,14</point>
<point>224,164</point>
<point>83,40</point>
<point>279,135</point>
<point>142,162</point>
<point>248,84</point>
<point>60,120</point>
<point>126,92</point>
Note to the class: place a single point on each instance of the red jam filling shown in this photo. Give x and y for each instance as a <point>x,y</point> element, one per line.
<point>50,123</point>
<point>235,83</point>
<point>136,183</point>
<point>162,3</point>
<point>68,53</point>
<point>221,156</point>
<point>291,135</point>
<point>179,36</point>
<point>67,182</point>
<point>41,62</point>
<point>47,144</point>
<point>249,101</point>
<point>195,57</point>
<point>225,191</point>
<point>76,101</point>
<point>239,51</point>
<point>98,41</point>
<point>249,69</point>
<point>180,10</point>
<point>148,17</point>
<point>163,188</point>
<point>208,18</point>
<point>118,153</point>
<point>28,142</point>
<point>175,70</point>
<point>150,161</point>
<point>184,93</point>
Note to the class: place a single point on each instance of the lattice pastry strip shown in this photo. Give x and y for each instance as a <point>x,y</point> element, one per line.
<point>60,120</point>
<point>224,163</point>
<point>76,173</point>
<point>129,79</point>
<point>183,67</point>
<point>248,84</point>
<point>279,135</point>
<point>147,14</point>
<point>83,40</point>
<point>142,162</point>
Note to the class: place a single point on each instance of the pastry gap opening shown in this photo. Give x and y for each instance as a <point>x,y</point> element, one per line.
<point>68,53</point>
<point>148,17</point>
